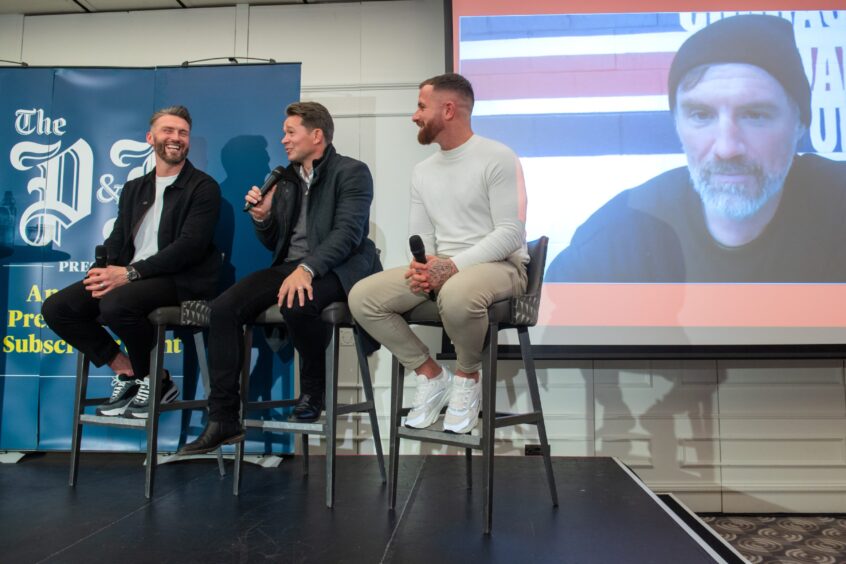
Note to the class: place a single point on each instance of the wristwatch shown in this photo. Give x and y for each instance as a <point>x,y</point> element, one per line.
<point>131,274</point>
<point>307,268</point>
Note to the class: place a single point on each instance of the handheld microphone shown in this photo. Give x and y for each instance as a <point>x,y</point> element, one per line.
<point>418,251</point>
<point>100,256</point>
<point>272,179</point>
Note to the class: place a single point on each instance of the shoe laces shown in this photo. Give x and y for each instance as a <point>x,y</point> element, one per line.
<point>119,385</point>
<point>460,396</point>
<point>423,390</point>
<point>144,391</point>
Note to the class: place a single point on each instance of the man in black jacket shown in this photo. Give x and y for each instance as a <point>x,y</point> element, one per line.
<point>159,253</point>
<point>315,220</point>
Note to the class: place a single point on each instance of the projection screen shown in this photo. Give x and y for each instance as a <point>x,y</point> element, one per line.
<point>638,253</point>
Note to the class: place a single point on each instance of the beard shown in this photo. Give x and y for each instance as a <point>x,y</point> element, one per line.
<point>736,200</point>
<point>171,159</point>
<point>427,133</point>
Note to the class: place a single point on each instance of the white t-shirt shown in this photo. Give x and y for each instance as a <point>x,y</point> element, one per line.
<point>469,203</point>
<point>147,237</point>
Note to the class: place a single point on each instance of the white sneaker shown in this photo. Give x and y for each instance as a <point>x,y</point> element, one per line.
<point>465,400</point>
<point>431,397</point>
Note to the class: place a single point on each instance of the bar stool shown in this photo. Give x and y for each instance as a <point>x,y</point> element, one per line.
<point>338,316</point>
<point>193,315</point>
<point>518,313</point>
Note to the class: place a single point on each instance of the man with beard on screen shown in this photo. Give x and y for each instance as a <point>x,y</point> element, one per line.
<point>747,208</point>
<point>160,252</point>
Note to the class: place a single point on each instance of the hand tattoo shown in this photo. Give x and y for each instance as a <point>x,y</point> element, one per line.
<point>440,270</point>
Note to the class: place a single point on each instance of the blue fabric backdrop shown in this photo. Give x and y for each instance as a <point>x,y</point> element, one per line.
<point>73,137</point>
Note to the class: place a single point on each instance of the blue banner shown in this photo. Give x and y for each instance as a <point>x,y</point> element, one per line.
<point>74,137</point>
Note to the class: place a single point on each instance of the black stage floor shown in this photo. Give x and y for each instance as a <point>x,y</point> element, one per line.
<point>605,514</point>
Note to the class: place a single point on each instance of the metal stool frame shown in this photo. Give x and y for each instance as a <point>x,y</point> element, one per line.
<point>518,313</point>
<point>338,316</point>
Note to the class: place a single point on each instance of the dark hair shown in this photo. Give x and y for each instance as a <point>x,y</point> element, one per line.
<point>178,111</point>
<point>452,82</point>
<point>314,116</point>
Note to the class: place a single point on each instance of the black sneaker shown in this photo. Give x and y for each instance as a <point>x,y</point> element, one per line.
<point>308,408</point>
<point>124,389</point>
<point>141,403</point>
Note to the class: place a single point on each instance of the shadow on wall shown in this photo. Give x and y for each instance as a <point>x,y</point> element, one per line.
<point>246,162</point>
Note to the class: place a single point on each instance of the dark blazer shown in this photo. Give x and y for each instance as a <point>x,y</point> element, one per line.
<point>190,210</point>
<point>337,220</point>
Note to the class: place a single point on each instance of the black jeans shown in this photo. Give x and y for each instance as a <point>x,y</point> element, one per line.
<point>240,305</point>
<point>77,318</point>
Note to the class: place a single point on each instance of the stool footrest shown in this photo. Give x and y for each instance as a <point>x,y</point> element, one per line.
<point>441,437</point>
<point>94,401</point>
<point>183,405</point>
<point>316,428</point>
<point>354,408</point>
<point>270,404</point>
<point>509,419</point>
<point>113,421</point>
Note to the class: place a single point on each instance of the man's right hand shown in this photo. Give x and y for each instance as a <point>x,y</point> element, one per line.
<point>418,275</point>
<point>261,205</point>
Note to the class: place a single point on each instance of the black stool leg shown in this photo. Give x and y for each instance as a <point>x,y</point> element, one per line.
<point>367,384</point>
<point>468,467</point>
<point>156,371</point>
<point>245,393</point>
<point>489,365</point>
<point>304,449</point>
<point>82,367</point>
<point>203,362</point>
<point>531,376</point>
<point>396,406</point>
<point>332,357</point>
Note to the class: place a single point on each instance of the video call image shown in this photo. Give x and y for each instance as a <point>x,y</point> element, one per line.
<point>696,153</point>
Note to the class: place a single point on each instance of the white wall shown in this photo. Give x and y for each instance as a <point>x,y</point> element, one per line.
<point>732,436</point>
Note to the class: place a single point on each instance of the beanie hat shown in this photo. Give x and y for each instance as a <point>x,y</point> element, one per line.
<point>755,39</point>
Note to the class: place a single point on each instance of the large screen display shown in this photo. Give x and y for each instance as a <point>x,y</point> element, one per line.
<point>686,166</point>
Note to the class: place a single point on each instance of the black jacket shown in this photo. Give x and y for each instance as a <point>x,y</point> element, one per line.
<point>189,215</point>
<point>338,218</point>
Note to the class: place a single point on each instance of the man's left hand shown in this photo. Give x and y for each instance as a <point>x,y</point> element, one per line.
<point>296,285</point>
<point>101,281</point>
<point>432,276</point>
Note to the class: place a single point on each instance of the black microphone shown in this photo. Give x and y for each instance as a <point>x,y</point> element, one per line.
<point>418,251</point>
<point>272,179</point>
<point>100,256</point>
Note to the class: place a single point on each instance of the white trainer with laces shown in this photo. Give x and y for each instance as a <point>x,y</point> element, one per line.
<point>430,398</point>
<point>465,400</point>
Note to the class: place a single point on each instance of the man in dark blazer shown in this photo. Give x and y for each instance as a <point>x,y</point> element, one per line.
<point>159,253</point>
<point>315,220</point>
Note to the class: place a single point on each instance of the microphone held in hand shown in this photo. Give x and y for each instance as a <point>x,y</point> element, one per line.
<point>271,181</point>
<point>100,256</point>
<point>418,251</point>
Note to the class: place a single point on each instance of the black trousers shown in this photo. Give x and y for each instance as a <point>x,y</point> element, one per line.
<point>78,318</point>
<point>240,305</point>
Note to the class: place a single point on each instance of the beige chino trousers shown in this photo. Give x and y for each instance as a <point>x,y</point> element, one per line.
<point>378,302</point>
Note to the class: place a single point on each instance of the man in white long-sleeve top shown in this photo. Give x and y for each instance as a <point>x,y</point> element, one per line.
<point>468,205</point>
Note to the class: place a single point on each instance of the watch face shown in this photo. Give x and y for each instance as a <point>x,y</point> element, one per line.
<point>132,274</point>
